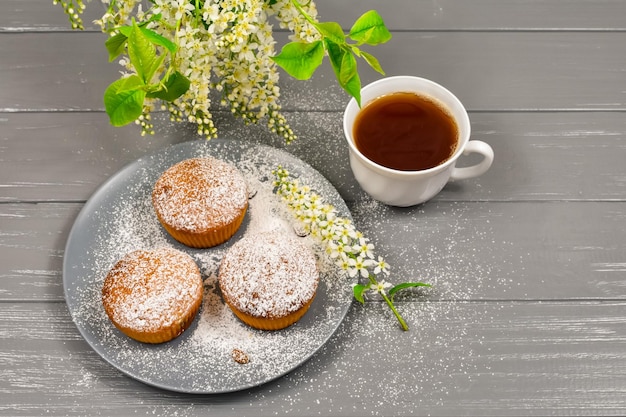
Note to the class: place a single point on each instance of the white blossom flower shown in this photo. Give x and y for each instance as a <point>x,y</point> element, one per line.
<point>364,248</point>
<point>380,286</point>
<point>381,266</point>
<point>336,249</point>
<point>182,7</point>
<point>360,266</point>
<point>343,263</point>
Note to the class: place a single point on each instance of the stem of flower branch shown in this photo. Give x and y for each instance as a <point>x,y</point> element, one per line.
<point>403,324</point>
<point>405,327</point>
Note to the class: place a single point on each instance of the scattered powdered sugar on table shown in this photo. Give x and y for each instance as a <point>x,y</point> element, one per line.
<point>201,360</point>
<point>456,255</point>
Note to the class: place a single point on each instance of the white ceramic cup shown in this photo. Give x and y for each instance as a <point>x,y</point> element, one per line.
<point>408,188</point>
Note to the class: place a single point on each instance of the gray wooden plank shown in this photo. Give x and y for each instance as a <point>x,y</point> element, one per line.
<point>465,359</point>
<point>522,250</point>
<point>75,152</point>
<point>65,78</point>
<point>36,272</point>
<point>468,251</point>
<point>493,71</point>
<point>484,14</point>
<point>41,15</point>
<point>527,314</point>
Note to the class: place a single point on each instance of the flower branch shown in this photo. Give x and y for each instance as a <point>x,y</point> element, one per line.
<point>177,52</point>
<point>351,251</point>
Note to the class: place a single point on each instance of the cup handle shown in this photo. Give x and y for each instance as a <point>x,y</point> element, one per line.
<point>474,146</point>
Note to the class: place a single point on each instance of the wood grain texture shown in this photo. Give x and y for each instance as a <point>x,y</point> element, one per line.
<point>462,359</point>
<point>488,71</point>
<point>583,15</point>
<point>526,316</point>
<point>467,251</point>
<point>78,151</point>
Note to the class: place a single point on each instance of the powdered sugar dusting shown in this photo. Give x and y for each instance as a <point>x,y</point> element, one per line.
<point>147,291</point>
<point>268,275</point>
<point>200,194</point>
<point>120,218</point>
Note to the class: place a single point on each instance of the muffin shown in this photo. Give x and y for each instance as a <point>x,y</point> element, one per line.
<point>201,202</point>
<point>153,295</point>
<point>268,280</point>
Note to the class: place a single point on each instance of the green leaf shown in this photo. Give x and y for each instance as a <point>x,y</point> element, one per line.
<point>373,62</point>
<point>358,291</point>
<point>300,60</point>
<point>142,53</point>
<point>353,87</point>
<point>335,55</point>
<point>370,29</point>
<point>332,31</point>
<point>125,30</point>
<point>115,45</point>
<point>123,100</point>
<point>344,65</point>
<point>348,69</point>
<point>171,88</point>
<point>154,37</point>
<point>404,285</point>
<point>157,39</point>
<point>130,83</point>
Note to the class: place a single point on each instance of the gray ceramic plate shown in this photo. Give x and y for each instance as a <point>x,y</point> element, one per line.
<point>119,218</point>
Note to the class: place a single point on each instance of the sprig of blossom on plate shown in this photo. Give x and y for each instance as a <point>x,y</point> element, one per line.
<point>347,246</point>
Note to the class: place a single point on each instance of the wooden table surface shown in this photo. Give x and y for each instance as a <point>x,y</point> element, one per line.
<point>527,315</point>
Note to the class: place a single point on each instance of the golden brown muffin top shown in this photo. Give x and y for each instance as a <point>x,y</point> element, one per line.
<point>148,290</point>
<point>200,194</point>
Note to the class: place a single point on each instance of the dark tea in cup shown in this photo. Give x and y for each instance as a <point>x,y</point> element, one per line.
<point>401,139</point>
<point>406,131</point>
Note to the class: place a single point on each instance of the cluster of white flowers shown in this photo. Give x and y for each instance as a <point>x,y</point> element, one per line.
<point>73,9</point>
<point>224,46</point>
<point>352,251</point>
